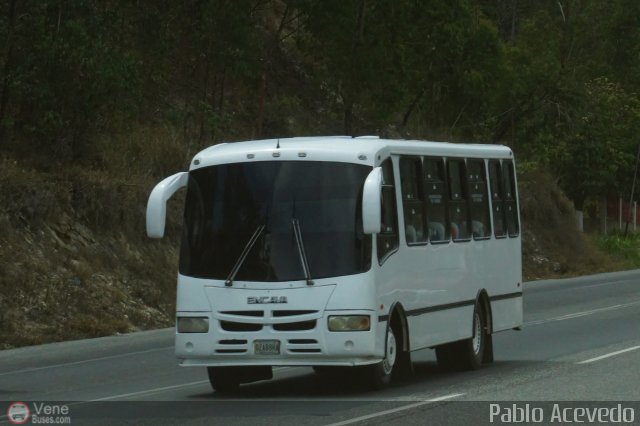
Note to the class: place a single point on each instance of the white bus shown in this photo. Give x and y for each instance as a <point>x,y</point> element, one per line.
<point>340,251</point>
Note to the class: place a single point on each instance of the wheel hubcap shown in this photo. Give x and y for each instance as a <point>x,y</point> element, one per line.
<point>477,335</point>
<point>390,358</point>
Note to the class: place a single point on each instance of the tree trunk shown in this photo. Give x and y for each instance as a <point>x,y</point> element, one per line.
<point>603,215</point>
<point>348,118</point>
<point>6,66</point>
<point>412,107</point>
<point>580,220</point>
<point>261,98</point>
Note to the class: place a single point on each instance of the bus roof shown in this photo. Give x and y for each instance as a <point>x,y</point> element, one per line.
<point>367,150</point>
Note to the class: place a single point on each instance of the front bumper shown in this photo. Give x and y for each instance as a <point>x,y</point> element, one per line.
<point>304,340</point>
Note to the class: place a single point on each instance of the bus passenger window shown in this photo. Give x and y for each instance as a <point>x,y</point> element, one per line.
<point>497,199</point>
<point>387,239</point>
<point>412,199</point>
<point>511,205</point>
<point>458,212</point>
<point>435,200</point>
<point>480,223</point>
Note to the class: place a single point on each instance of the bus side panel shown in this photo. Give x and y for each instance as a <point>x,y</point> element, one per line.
<point>430,282</point>
<point>506,291</point>
<point>439,327</point>
<point>507,313</point>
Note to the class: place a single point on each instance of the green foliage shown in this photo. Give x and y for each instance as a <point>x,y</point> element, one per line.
<point>556,80</point>
<point>598,152</point>
<point>624,247</point>
<point>63,72</point>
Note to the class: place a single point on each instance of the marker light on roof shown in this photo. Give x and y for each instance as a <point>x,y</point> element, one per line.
<point>302,154</point>
<point>250,155</point>
<point>276,154</point>
<point>362,157</point>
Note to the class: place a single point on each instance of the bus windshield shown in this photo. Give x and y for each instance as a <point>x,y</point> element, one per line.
<point>226,203</point>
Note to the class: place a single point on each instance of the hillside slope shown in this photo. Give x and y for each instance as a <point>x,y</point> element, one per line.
<point>75,260</point>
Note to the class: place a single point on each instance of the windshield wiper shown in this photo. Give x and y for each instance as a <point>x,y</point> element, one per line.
<point>301,252</point>
<point>243,255</point>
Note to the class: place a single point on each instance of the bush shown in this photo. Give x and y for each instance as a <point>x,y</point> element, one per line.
<point>627,248</point>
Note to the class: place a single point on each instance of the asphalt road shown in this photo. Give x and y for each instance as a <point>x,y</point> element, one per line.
<point>580,342</point>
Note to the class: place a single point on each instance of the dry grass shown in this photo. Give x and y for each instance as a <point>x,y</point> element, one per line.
<point>75,259</point>
<point>552,244</point>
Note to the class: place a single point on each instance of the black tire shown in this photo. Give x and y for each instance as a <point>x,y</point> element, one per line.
<point>466,354</point>
<point>378,376</point>
<point>473,349</point>
<point>223,379</point>
<point>326,370</point>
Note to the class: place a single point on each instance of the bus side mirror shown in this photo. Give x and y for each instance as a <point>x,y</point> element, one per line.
<point>371,202</point>
<point>157,204</point>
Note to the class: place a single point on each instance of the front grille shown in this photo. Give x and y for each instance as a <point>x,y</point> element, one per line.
<point>305,350</point>
<point>240,346</point>
<point>303,346</point>
<point>239,326</point>
<point>295,326</point>
<point>244,313</point>
<point>291,313</point>
<point>303,341</point>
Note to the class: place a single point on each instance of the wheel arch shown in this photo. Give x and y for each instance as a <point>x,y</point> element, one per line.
<point>482,299</point>
<point>397,313</point>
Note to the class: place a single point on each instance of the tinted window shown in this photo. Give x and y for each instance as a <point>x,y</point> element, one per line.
<point>458,212</point>
<point>387,240</point>
<point>412,199</point>
<point>438,227</point>
<point>479,203</point>
<point>511,205</point>
<point>497,198</point>
<point>226,204</point>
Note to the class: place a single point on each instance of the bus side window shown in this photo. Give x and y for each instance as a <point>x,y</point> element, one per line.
<point>387,239</point>
<point>435,200</point>
<point>497,198</point>
<point>480,222</point>
<point>511,205</point>
<point>458,212</point>
<point>412,199</point>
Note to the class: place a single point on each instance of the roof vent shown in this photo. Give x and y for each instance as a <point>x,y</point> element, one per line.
<point>367,137</point>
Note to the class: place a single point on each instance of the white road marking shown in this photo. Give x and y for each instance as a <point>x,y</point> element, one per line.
<point>395,410</point>
<point>149,391</point>
<point>583,313</point>
<point>601,284</point>
<point>85,361</point>
<point>164,388</point>
<point>598,358</point>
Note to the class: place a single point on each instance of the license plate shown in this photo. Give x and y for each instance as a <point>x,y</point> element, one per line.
<point>266,347</point>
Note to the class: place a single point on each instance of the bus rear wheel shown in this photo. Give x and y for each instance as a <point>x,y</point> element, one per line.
<point>466,354</point>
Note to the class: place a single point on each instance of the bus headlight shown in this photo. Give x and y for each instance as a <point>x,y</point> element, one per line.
<point>193,324</point>
<point>349,323</point>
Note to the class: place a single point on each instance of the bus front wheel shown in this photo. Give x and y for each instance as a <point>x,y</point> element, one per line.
<point>223,380</point>
<point>379,375</point>
<point>228,379</point>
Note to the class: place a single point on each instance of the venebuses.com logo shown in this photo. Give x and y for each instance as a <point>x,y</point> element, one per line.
<point>18,413</point>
